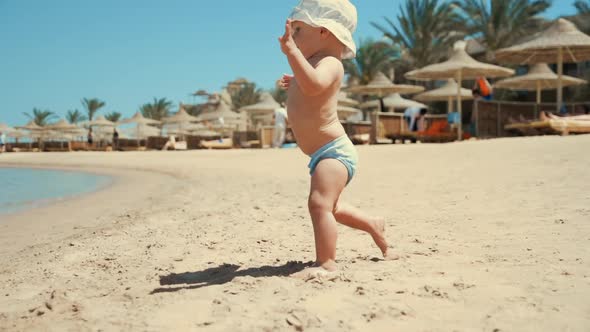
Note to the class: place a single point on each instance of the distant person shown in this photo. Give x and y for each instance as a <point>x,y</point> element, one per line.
<point>170,144</point>
<point>115,139</point>
<point>414,116</point>
<point>482,89</point>
<point>563,110</point>
<point>2,142</point>
<point>89,137</point>
<point>586,109</point>
<point>280,119</point>
<point>453,119</point>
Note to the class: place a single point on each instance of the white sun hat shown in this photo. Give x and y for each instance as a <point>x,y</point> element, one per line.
<point>338,16</point>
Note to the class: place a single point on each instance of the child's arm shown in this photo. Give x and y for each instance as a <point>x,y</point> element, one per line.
<point>311,81</point>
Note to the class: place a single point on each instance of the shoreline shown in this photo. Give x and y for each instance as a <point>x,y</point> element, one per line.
<point>34,204</point>
<point>19,228</point>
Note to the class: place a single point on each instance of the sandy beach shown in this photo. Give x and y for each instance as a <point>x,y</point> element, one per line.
<point>494,236</point>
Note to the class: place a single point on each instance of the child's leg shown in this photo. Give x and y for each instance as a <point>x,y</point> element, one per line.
<point>327,182</point>
<point>355,218</point>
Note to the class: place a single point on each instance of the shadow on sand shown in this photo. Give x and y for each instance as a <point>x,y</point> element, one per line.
<point>224,274</point>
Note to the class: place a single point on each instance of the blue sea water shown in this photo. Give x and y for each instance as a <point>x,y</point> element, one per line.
<point>22,188</point>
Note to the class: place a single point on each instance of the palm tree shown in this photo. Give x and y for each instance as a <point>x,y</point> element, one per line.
<point>157,110</point>
<point>501,23</point>
<point>75,116</point>
<point>583,6</point>
<point>92,106</point>
<point>371,58</point>
<point>41,118</point>
<point>425,31</point>
<point>246,94</point>
<point>113,116</point>
<point>582,20</point>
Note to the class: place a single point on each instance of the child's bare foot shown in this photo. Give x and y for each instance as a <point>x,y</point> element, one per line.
<point>326,271</point>
<point>379,238</point>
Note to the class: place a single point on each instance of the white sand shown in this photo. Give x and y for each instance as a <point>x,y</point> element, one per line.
<point>495,235</point>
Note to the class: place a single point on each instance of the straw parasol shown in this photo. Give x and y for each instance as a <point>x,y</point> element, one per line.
<point>540,77</point>
<point>180,118</point>
<point>221,112</point>
<point>447,92</point>
<point>139,119</point>
<point>393,101</point>
<point>100,121</point>
<point>266,105</point>
<point>142,124</point>
<point>382,86</point>
<point>344,112</point>
<point>344,100</point>
<point>31,126</point>
<point>561,43</point>
<point>62,125</point>
<point>17,134</point>
<point>222,117</point>
<point>459,66</point>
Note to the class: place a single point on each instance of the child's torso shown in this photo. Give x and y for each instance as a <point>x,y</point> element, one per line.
<point>314,119</point>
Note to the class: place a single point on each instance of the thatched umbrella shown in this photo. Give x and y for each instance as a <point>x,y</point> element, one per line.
<point>142,123</point>
<point>61,129</point>
<point>62,125</point>
<point>266,105</point>
<point>459,66</point>
<point>180,118</point>
<point>31,126</point>
<point>103,124</point>
<point>540,77</point>
<point>264,108</point>
<point>561,43</point>
<point>447,92</point>
<point>100,121</point>
<point>393,101</point>
<point>222,117</point>
<point>344,100</point>
<point>344,112</point>
<point>34,129</point>
<point>381,86</point>
<point>17,134</point>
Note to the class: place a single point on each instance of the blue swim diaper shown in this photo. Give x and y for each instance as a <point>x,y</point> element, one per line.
<point>340,149</point>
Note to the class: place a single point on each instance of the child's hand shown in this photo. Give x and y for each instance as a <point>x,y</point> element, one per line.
<point>288,45</point>
<point>285,81</point>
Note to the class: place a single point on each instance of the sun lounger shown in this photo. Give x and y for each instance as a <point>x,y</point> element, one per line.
<point>52,146</point>
<point>562,126</point>
<point>223,143</point>
<point>521,128</point>
<point>437,132</point>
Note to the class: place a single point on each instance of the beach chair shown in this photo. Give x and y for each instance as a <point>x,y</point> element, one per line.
<point>222,143</point>
<point>388,127</point>
<point>520,128</point>
<point>437,132</point>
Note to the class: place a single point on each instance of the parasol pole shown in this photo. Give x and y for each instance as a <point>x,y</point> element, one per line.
<point>459,106</point>
<point>560,74</point>
<point>538,92</point>
<point>450,105</point>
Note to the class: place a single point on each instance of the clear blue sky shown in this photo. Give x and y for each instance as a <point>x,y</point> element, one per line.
<point>125,52</point>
